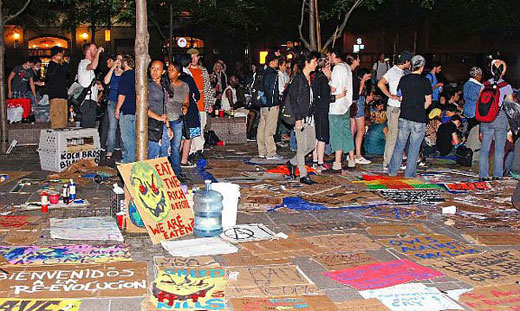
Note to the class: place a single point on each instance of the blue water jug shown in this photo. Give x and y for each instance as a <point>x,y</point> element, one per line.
<point>208,212</point>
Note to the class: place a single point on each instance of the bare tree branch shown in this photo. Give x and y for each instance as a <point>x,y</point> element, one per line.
<point>305,42</point>
<point>346,17</point>
<point>10,17</point>
<point>161,33</point>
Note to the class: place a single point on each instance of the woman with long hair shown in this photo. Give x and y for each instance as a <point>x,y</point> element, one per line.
<point>322,99</point>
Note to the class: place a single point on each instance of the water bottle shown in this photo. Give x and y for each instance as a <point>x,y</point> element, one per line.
<point>208,212</point>
<point>72,190</point>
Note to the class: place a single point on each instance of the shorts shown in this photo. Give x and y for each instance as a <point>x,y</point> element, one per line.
<point>360,107</point>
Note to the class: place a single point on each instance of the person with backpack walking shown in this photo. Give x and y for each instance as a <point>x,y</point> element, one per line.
<point>269,111</point>
<point>493,120</point>
<point>301,101</point>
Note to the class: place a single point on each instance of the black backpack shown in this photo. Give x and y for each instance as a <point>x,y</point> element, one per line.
<point>464,156</point>
<point>287,113</point>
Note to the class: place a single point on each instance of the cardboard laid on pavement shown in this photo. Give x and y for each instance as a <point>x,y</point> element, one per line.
<point>393,229</point>
<point>335,261</point>
<point>13,176</point>
<point>247,233</point>
<point>161,262</point>
<point>494,238</point>
<point>496,298</point>
<point>371,304</point>
<point>338,226</point>
<point>282,248</point>
<point>348,242</point>
<point>86,229</point>
<point>11,304</point>
<point>245,258</point>
<point>118,279</point>
<point>8,223</point>
<point>304,303</point>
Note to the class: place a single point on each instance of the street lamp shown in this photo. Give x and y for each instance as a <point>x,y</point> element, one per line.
<point>16,37</point>
<point>84,36</point>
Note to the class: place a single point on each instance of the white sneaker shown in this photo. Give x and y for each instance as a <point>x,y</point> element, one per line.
<point>362,160</point>
<point>351,163</point>
<point>261,156</point>
<point>336,166</point>
<point>274,157</point>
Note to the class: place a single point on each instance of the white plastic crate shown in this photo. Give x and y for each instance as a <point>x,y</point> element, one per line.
<point>70,140</point>
<point>58,149</point>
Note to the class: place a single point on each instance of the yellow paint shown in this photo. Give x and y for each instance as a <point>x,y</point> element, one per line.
<point>37,304</point>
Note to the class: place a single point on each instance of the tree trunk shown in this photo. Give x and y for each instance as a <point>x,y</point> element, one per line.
<point>4,138</point>
<point>142,59</point>
<point>170,35</point>
<point>312,26</point>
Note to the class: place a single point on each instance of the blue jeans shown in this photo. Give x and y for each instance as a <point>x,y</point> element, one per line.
<point>498,130</point>
<point>112,126</point>
<point>416,131</point>
<point>127,126</point>
<point>175,143</point>
<point>292,141</point>
<point>159,149</point>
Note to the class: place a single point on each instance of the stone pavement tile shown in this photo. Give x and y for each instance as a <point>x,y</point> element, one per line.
<point>125,304</point>
<point>254,218</point>
<point>286,218</point>
<point>97,304</point>
<point>314,271</point>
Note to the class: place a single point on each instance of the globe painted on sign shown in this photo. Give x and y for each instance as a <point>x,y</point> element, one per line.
<point>134,215</point>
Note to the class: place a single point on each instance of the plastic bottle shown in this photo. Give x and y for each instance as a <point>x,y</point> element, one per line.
<point>72,190</point>
<point>208,212</point>
<point>65,194</point>
<point>44,202</point>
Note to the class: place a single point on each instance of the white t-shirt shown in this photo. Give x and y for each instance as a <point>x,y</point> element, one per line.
<point>393,76</point>
<point>283,79</point>
<point>85,77</point>
<point>380,68</point>
<point>225,104</point>
<point>341,79</point>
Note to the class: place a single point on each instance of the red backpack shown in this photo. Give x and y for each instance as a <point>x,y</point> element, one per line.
<point>488,102</point>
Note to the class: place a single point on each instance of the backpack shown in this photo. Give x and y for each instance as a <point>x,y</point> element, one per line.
<point>464,156</point>
<point>488,102</point>
<point>512,110</point>
<point>258,98</point>
<point>287,113</point>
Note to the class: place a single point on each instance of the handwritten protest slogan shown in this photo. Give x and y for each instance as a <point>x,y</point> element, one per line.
<point>389,229</point>
<point>492,268</point>
<point>334,261</point>
<point>70,254</point>
<point>371,304</point>
<point>247,233</point>
<point>41,305</point>
<point>493,298</point>
<point>304,303</point>
<point>191,289</point>
<point>268,280</point>
<point>118,279</point>
<point>158,196</point>
<point>343,242</point>
<point>429,246</point>
<point>282,248</point>
<point>161,262</point>
<point>383,274</point>
<point>469,186</point>
<point>396,213</point>
<point>412,297</point>
<point>8,223</point>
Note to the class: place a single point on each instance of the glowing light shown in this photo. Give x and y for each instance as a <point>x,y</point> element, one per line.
<point>16,36</point>
<point>84,36</point>
<point>263,55</point>
<point>107,35</point>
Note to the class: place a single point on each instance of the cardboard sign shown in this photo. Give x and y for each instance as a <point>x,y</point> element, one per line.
<point>86,229</point>
<point>283,248</point>
<point>495,238</point>
<point>429,246</point>
<point>493,298</point>
<point>159,199</point>
<point>247,233</point>
<point>69,254</point>
<point>500,267</point>
<point>468,186</point>
<point>371,304</point>
<point>245,258</point>
<point>412,196</point>
<point>133,220</point>
<point>23,236</point>
<point>199,247</point>
<point>304,303</point>
<point>391,229</point>
<point>43,305</point>
<point>396,213</point>
<point>383,274</point>
<point>343,242</point>
<point>161,262</point>
<point>190,289</point>
<point>269,280</point>
<point>8,223</point>
<point>121,279</point>
<point>338,226</point>
<point>412,297</point>
<point>333,261</point>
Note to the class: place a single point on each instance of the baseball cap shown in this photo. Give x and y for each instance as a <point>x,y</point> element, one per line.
<point>436,112</point>
<point>56,50</point>
<point>193,52</point>
<point>404,56</point>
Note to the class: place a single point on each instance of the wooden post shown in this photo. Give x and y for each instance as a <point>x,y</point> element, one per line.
<point>4,138</point>
<point>170,36</point>
<point>142,59</point>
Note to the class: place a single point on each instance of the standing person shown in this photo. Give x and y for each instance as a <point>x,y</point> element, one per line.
<point>393,110</point>
<point>36,67</point>
<point>359,80</point>
<point>20,82</point>
<point>125,109</point>
<point>177,107</point>
<point>193,116</point>
<point>434,82</point>
<point>86,78</point>
<point>322,99</point>
<point>341,139</point>
<point>471,91</point>
<point>380,67</point>
<point>269,112</point>
<point>206,101</point>
<point>496,129</point>
<point>301,97</point>
<point>58,74</point>
<point>112,79</point>
<point>219,79</point>
<point>416,97</point>
<point>157,111</point>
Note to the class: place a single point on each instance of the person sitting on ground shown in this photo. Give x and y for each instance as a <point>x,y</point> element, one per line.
<point>451,110</point>
<point>375,137</point>
<point>448,136</point>
<point>430,139</point>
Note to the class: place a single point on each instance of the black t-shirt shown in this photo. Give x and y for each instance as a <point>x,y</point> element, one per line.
<point>444,138</point>
<point>414,88</point>
<point>356,84</point>
<point>57,79</point>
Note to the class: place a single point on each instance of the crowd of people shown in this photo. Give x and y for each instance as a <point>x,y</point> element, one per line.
<point>325,106</point>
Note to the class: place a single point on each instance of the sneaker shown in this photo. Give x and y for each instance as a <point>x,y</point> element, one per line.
<point>326,166</point>
<point>385,168</point>
<point>261,156</point>
<point>188,165</point>
<point>274,157</point>
<point>351,163</point>
<point>362,160</point>
<point>422,164</point>
<point>320,168</point>
<point>403,167</point>
<point>251,138</point>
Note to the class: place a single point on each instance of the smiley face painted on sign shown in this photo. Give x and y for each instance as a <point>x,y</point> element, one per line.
<point>149,190</point>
